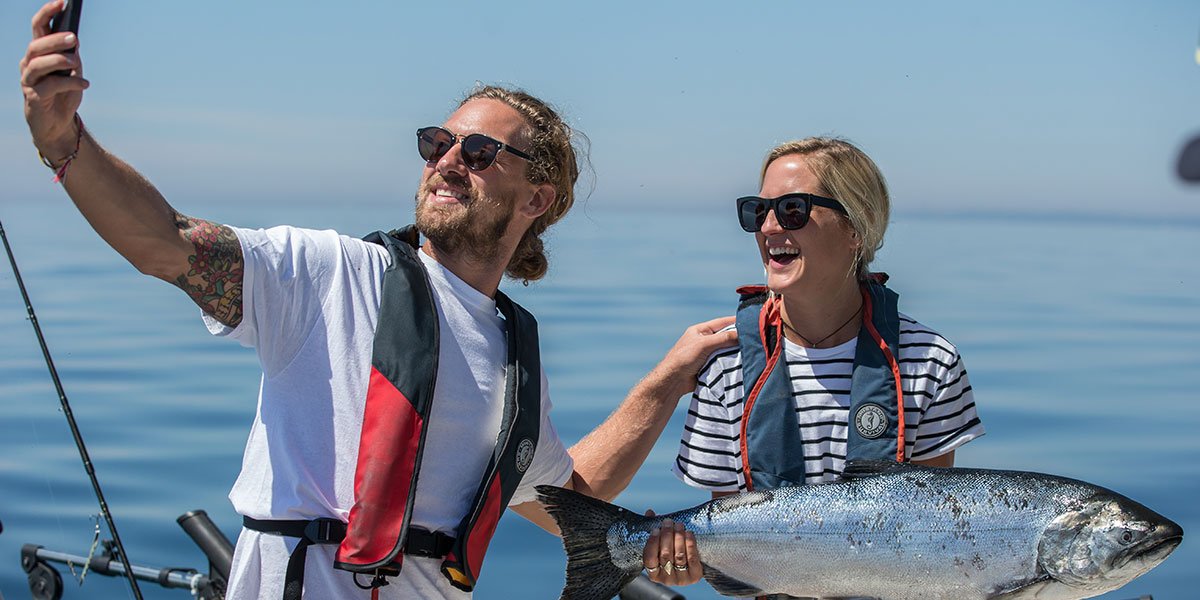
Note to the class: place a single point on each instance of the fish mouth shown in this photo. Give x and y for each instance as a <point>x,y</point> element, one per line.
<point>1157,548</point>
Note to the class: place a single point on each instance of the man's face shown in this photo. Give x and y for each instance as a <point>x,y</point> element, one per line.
<point>461,210</point>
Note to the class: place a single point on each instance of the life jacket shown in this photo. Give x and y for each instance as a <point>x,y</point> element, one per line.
<point>771,446</point>
<point>395,421</point>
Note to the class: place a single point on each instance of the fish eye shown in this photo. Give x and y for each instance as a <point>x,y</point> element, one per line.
<point>1126,536</point>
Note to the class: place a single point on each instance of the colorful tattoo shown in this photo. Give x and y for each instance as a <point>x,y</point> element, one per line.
<point>214,280</point>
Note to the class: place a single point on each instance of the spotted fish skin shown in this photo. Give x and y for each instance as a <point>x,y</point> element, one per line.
<point>889,531</point>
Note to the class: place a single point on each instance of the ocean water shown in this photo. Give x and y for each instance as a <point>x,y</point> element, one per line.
<point>1081,337</point>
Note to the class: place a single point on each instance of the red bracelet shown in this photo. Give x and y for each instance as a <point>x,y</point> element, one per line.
<point>60,173</point>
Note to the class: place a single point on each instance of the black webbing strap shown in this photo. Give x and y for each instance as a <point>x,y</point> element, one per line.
<point>317,531</point>
<point>418,542</point>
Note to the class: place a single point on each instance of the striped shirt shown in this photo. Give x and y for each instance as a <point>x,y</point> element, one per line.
<point>939,408</point>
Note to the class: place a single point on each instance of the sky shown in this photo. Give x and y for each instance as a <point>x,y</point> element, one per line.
<point>1023,107</point>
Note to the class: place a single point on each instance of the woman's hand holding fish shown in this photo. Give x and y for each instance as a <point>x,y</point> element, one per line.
<point>671,556</point>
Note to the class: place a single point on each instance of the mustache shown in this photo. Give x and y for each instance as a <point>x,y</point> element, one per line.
<point>436,179</point>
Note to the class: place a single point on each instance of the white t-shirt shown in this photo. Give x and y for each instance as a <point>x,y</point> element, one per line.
<point>310,307</point>
<point>939,408</point>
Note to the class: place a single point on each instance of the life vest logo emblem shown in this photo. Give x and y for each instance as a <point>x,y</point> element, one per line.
<point>524,454</point>
<point>871,421</point>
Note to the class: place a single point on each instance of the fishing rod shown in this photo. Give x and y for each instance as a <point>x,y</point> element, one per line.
<point>66,408</point>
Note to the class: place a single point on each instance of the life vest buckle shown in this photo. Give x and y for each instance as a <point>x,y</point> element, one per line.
<point>428,544</point>
<point>325,531</point>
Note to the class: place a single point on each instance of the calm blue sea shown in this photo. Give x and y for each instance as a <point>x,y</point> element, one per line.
<point>1082,338</point>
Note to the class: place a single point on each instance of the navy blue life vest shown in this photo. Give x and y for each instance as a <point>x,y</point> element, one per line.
<point>395,422</point>
<point>772,452</point>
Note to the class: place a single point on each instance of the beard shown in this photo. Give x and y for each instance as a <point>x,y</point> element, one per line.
<point>475,228</point>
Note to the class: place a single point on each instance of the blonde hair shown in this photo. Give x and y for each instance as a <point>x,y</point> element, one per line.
<point>549,142</point>
<point>848,175</point>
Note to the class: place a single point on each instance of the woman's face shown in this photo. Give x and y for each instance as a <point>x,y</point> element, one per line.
<point>815,259</point>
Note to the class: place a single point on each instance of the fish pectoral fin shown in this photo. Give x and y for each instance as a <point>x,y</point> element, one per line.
<point>728,586</point>
<point>1037,589</point>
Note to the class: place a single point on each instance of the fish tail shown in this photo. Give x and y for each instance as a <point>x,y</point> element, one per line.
<point>584,522</point>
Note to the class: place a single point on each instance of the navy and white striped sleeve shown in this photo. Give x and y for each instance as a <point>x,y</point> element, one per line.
<point>709,449</point>
<point>949,419</point>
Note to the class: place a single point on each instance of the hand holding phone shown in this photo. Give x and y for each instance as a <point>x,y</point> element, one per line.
<point>67,20</point>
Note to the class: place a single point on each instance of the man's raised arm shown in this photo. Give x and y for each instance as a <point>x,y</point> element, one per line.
<point>200,257</point>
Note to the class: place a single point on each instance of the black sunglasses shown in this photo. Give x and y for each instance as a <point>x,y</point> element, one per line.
<point>791,210</point>
<point>478,151</point>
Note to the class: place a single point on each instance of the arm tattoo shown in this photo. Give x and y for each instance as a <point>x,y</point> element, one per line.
<point>214,277</point>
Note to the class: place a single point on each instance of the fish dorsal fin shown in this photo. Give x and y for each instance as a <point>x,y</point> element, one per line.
<point>858,469</point>
<point>728,586</point>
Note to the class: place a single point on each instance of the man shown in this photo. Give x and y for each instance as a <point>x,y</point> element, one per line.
<point>398,412</point>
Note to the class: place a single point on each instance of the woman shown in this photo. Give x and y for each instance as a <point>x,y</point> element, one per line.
<point>821,348</point>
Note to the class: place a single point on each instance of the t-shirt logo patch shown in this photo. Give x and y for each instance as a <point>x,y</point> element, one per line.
<point>524,454</point>
<point>871,421</point>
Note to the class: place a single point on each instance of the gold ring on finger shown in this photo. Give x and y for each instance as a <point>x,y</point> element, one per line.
<point>668,567</point>
<point>679,568</point>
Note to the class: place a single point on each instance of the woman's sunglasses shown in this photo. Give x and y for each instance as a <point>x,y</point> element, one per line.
<point>791,210</point>
<point>478,151</point>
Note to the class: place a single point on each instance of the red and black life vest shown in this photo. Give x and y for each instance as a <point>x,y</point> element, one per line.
<point>403,374</point>
<point>395,423</point>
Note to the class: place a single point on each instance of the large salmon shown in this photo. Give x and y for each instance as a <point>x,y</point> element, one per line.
<point>889,531</point>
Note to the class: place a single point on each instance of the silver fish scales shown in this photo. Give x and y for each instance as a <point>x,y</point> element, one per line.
<point>888,531</point>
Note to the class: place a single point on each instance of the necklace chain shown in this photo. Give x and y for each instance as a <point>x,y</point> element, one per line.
<point>818,342</point>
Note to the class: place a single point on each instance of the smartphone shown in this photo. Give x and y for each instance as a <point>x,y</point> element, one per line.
<point>67,20</point>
